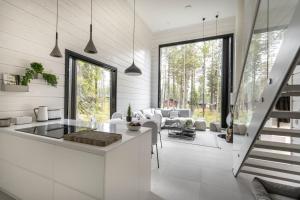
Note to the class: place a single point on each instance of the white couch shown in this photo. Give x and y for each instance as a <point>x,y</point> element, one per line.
<point>162,116</point>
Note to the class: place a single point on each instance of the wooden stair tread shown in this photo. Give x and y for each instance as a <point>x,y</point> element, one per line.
<point>285,114</point>
<point>273,166</point>
<point>279,146</point>
<point>271,174</point>
<point>275,157</point>
<point>280,131</point>
<point>291,88</point>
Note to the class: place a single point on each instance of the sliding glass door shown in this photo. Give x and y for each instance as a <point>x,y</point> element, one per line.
<point>192,77</point>
<point>91,89</point>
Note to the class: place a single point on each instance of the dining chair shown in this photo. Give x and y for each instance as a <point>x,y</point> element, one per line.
<point>153,126</point>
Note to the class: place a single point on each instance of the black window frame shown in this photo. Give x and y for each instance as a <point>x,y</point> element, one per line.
<point>227,70</point>
<point>70,93</point>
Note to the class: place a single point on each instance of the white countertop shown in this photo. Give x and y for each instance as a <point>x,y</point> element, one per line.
<point>106,127</point>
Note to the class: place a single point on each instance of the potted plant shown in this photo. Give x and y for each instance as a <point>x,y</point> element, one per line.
<point>33,72</point>
<point>129,114</point>
<point>188,123</point>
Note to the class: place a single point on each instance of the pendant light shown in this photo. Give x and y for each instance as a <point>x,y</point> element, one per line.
<point>90,47</point>
<point>204,71</point>
<point>133,70</point>
<point>56,52</point>
<point>217,17</point>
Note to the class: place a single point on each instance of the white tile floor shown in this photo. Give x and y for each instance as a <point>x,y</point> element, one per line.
<point>192,172</point>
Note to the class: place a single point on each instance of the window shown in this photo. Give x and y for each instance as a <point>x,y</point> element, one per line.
<point>195,75</point>
<point>90,89</point>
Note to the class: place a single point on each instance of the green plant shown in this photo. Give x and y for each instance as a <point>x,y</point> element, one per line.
<point>188,123</point>
<point>36,69</point>
<point>129,111</point>
<point>50,79</point>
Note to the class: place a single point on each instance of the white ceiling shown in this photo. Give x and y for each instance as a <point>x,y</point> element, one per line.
<point>161,15</point>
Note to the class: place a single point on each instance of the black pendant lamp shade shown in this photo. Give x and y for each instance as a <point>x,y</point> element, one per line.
<point>56,52</point>
<point>90,47</point>
<point>133,70</point>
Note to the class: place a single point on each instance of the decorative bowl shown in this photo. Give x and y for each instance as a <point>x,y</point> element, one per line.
<point>134,126</point>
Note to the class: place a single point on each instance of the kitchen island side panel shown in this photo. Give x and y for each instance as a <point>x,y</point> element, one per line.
<point>128,170</point>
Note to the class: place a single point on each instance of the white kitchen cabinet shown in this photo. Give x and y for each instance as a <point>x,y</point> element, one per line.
<point>36,168</point>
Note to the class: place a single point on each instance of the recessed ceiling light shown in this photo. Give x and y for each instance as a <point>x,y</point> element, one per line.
<point>188,6</point>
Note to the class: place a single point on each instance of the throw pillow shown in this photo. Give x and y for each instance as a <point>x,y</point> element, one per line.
<point>281,189</point>
<point>140,115</point>
<point>148,116</point>
<point>259,191</point>
<point>158,112</point>
<point>174,114</point>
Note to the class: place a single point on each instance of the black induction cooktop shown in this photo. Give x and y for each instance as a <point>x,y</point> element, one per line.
<point>53,130</point>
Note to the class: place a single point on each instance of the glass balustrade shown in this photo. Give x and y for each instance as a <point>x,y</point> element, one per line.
<point>272,20</point>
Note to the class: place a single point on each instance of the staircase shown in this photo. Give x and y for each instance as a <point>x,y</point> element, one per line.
<point>265,150</point>
<point>273,159</point>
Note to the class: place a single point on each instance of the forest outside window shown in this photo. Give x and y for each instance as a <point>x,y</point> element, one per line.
<point>90,89</point>
<point>197,75</point>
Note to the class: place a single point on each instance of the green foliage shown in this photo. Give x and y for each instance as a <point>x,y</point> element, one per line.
<point>50,79</point>
<point>93,92</point>
<point>129,113</point>
<point>188,123</point>
<point>29,75</point>
<point>36,69</point>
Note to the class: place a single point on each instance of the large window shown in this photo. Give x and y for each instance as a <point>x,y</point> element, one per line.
<point>195,75</point>
<point>90,89</point>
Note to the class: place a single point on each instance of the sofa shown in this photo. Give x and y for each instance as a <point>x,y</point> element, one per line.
<point>267,190</point>
<point>164,117</point>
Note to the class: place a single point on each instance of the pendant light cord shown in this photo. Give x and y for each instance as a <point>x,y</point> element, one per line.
<point>91,11</point>
<point>217,16</point>
<point>203,20</point>
<point>133,34</point>
<point>56,26</point>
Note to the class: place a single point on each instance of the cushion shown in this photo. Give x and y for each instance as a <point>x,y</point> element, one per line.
<point>280,197</point>
<point>139,115</point>
<point>259,191</point>
<point>158,112</point>
<point>184,113</point>
<point>281,189</point>
<point>215,127</point>
<point>200,125</point>
<point>165,113</point>
<point>174,114</point>
<point>148,111</point>
<point>148,116</point>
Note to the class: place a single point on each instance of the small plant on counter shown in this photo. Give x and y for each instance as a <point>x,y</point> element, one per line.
<point>129,114</point>
<point>36,69</point>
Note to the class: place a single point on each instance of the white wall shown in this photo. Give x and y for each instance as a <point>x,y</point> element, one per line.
<point>27,31</point>
<point>226,25</point>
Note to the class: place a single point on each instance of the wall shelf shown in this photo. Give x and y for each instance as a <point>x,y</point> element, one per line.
<point>14,88</point>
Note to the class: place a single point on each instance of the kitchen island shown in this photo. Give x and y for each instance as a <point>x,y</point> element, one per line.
<point>34,167</point>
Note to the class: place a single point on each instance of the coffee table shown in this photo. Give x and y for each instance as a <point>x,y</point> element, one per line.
<point>177,130</point>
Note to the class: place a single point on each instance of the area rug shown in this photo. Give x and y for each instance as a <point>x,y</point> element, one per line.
<point>203,138</point>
